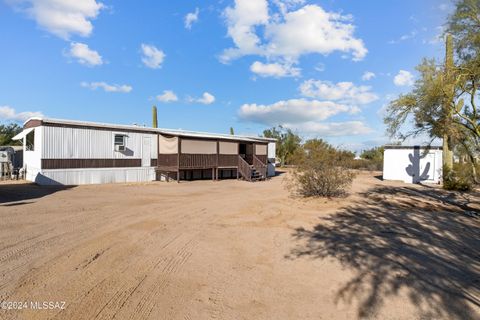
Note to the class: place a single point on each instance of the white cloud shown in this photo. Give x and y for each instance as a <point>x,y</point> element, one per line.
<point>403,78</point>
<point>404,37</point>
<point>344,92</point>
<point>285,5</point>
<point>305,116</point>
<point>107,87</point>
<point>275,70</point>
<point>354,110</point>
<point>332,129</point>
<point>62,18</point>
<point>241,22</point>
<point>291,111</point>
<point>206,98</point>
<point>9,113</point>
<point>152,57</point>
<point>313,30</point>
<point>368,75</point>
<point>309,29</point>
<point>84,54</point>
<point>167,96</point>
<point>191,18</point>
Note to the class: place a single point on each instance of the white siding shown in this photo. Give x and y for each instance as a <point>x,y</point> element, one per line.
<point>32,159</point>
<point>408,165</point>
<point>75,143</point>
<point>271,150</point>
<point>94,176</point>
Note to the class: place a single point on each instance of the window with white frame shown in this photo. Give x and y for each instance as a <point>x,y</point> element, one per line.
<point>119,142</point>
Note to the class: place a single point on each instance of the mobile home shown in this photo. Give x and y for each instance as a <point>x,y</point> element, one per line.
<point>412,164</point>
<point>70,152</point>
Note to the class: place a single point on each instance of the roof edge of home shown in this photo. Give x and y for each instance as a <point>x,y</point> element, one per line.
<point>159,130</point>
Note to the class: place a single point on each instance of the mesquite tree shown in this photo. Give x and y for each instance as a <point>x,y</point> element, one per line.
<point>444,100</point>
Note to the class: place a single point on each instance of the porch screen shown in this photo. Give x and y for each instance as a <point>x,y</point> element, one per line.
<point>167,145</point>
<point>199,146</point>
<point>228,148</point>
<point>261,149</point>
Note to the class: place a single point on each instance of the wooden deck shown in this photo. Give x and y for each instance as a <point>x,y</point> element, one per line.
<point>174,163</point>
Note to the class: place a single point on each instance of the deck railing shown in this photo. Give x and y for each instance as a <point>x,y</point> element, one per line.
<point>244,169</point>
<point>200,161</point>
<point>227,160</point>
<point>260,167</point>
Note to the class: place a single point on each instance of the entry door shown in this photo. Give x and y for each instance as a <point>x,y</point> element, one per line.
<point>427,167</point>
<point>146,150</point>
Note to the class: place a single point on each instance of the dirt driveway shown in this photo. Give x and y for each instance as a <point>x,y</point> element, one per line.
<point>238,250</point>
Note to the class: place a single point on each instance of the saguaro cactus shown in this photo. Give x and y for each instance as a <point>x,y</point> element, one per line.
<point>448,102</point>
<point>154,117</point>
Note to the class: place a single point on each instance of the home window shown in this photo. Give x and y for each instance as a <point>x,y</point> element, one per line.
<point>30,141</point>
<point>119,142</point>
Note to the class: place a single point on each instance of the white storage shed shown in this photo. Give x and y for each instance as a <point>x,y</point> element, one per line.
<point>412,164</point>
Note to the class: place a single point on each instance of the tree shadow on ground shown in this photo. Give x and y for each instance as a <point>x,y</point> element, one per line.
<point>25,191</point>
<point>395,239</point>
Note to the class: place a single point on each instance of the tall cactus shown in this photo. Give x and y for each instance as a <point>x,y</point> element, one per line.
<point>154,117</point>
<point>448,102</point>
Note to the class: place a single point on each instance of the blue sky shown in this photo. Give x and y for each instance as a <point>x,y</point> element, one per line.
<point>212,65</point>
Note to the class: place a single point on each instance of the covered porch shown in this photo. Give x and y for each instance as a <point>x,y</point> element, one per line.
<point>182,158</point>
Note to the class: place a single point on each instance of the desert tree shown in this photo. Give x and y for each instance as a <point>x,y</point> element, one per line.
<point>441,104</point>
<point>430,105</point>
<point>287,142</point>
<point>7,132</point>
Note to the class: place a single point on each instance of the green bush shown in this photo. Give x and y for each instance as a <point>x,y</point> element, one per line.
<point>458,179</point>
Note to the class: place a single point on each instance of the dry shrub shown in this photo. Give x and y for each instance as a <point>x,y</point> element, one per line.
<point>366,164</point>
<point>330,181</point>
<point>322,171</point>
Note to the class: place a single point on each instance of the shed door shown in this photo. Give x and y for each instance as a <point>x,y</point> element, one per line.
<point>427,167</point>
<point>146,150</point>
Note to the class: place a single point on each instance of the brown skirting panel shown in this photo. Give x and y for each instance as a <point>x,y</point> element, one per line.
<point>89,163</point>
<point>166,169</point>
<point>167,160</point>
<point>153,162</point>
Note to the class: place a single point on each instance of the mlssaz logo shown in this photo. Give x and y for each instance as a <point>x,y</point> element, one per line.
<point>47,305</point>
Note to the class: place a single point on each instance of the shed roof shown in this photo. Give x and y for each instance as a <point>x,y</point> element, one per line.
<point>412,147</point>
<point>174,132</point>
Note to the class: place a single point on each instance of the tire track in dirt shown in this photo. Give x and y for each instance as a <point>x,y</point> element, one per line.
<point>128,289</point>
<point>166,268</point>
<point>153,273</point>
